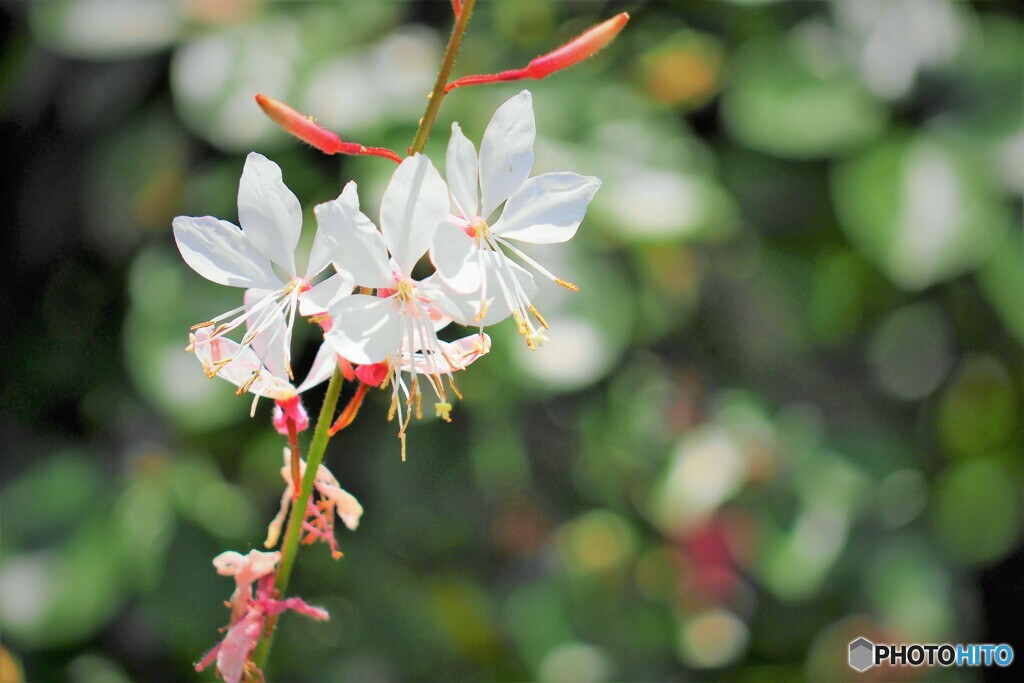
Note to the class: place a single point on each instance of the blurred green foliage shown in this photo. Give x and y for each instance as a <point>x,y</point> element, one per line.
<point>783,412</point>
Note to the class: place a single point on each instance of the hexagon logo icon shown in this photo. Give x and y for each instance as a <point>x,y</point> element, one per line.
<point>862,654</point>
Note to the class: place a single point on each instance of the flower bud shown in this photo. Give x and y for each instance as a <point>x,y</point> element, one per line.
<point>308,130</point>
<point>584,46</point>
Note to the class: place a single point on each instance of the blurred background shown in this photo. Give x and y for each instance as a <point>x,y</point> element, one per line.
<point>783,412</point>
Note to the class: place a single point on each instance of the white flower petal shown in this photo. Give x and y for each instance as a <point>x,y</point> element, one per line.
<point>366,329</point>
<point>322,368</point>
<point>320,254</point>
<point>414,205</point>
<point>270,344</point>
<point>548,208</point>
<point>243,365</point>
<point>268,211</point>
<point>506,152</point>
<point>356,246</point>
<point>317,300</point>
<point>453,254</point>
<point>465,308</point>
<point>497,306</point>
<point>220,252</point>
<point>346,505</point>
<point>462,172</point>
<point>457,355</point>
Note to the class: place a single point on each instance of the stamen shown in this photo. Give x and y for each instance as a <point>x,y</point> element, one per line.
<point>208,323</point>
<point>393,407</point>
<point>483,311</point>
<point>568,285</point>
<point>538,316</point>
<point>248,384</point>
<point>455,388</point>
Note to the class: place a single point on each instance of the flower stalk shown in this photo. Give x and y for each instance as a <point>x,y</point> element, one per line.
<point>436,96</point>
<point>293,534</point>
<point>323,433</point>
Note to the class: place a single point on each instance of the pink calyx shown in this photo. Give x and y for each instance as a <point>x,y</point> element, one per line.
<point>290,409</point>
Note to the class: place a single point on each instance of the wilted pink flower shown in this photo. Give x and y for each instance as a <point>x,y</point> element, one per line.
<point>249,612</point>
<point>319,522</point>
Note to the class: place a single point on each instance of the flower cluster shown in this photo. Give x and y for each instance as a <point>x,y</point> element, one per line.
<point>249,611</point>
<point>376,310</point>
<point>442,253</point>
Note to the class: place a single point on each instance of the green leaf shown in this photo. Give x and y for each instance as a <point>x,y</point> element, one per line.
<point>922,209</point>
<point>790,102</point>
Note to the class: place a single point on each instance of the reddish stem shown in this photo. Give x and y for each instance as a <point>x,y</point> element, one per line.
<point>293,442</point>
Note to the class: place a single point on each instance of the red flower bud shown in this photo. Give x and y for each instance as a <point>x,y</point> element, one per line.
<point>585,45</point>
<point>582,47</point>
<point>308,130</point>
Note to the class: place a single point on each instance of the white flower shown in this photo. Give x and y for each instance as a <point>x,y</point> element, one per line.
<point>470,252</point>
<point>259,368</point>
<point>271,220</point>
<point>401,321</point>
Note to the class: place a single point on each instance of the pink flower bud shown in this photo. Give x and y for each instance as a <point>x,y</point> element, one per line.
<point>308,130</point>
<point>585,45</point>
<point>582,47</point>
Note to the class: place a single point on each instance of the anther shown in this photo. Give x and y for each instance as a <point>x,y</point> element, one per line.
<point>538,316</point>
<point>567,285</point>
<point>208,323</point>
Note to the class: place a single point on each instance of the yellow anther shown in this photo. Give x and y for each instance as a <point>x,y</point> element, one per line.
<point>406,290</point>
<point>482,313</point>
<point>208,323</point>
<point>521,324</point>
<point>248,384</point>
<point>567,285</point>
<point>393,408</point>
<point>538,316</point>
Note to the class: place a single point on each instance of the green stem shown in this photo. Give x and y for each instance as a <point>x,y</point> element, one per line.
<point>290,547</point>
<point>436,95</point>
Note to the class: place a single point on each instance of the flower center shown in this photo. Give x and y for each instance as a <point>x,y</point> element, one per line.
<point>406,291</point>
<point>297,284</point>
<point>479,228</point>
